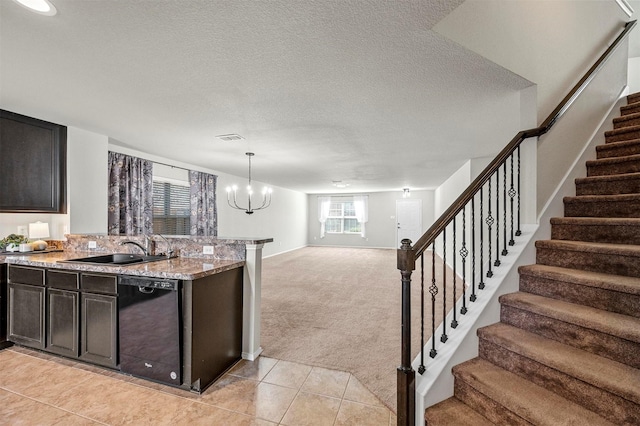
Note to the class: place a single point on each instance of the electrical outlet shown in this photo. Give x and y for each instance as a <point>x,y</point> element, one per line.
<point>92,244</point>
<point>207,249</point>
<point>22,230</point>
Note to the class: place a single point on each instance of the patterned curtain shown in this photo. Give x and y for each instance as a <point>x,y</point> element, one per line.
<point>130,195</point>
<point>204,213</point>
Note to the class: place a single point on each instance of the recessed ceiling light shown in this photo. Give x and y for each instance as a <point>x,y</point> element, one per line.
<point>230,137</point>
<point>43,7</point>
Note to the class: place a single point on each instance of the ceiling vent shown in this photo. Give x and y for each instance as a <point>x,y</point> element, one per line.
<point>230,137</point>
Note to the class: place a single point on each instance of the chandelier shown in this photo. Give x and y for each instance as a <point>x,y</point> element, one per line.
<point>266,194</point>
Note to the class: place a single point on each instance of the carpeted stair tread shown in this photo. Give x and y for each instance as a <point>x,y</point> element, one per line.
<point>619,283</point>
<point>608,258</point>
<point>618,325</point>
<point>452,411</point>
<point>590,247</point>
<point>623,134</point>
<point>630,109</point>
<point>626,121</point>
<point>633,97</point>
<point>482,384</point>
<point>618,149</point>
<point>611,376</point>
<point>627,183</point>
<point>614,165</point>
<point>618,205</point>
<point>608,292</point>
<point>596,229</point>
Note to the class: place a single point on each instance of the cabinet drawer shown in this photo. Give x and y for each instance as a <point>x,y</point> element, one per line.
<point>99,283</point>
<point>65,280</point>
<point>25,275</point>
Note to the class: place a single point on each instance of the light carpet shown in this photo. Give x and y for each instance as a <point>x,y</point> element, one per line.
<point>339,308</point>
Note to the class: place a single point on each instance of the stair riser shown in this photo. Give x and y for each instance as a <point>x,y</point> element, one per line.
<point>606,404</point>
<point>596,233</point>
<point>632,98</point>
<point>589,340</point>
<point>618,149</point>
<point>621,122</point>
<point>622,209</point>
<point>617,168</point>
<point>616,187</point>
<point>630,109</point>
<point>486,406</point>
<point>622,136</point>
<point>595,297</point>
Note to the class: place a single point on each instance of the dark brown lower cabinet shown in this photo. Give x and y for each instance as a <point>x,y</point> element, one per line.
<point>26,315</point>
<point>62,322</point>
<point>99,327</point>
<point>3,307</point>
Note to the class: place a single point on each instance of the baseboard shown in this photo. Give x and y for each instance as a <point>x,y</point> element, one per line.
<point>251,356</point>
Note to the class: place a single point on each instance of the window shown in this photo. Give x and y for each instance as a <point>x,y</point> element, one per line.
<point>171,208</point>
<point>342,218</point>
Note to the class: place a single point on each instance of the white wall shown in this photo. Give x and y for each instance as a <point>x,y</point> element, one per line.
<point>87,176</point>
<point>558,148</point>
<point>633,77</point>
<point>381,227</point>
<point>551,43</point>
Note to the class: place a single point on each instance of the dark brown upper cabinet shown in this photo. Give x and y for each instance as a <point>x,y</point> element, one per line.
<point>33,165</point>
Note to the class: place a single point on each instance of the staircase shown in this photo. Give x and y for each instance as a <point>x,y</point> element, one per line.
<point>567,349</point>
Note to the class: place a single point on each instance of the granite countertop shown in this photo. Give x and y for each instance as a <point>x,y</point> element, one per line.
<point>182,268</point>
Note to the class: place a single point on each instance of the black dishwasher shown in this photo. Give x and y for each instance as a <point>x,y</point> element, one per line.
<point>149,324</point>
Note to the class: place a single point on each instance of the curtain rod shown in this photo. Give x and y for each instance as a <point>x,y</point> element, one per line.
<point>155,162</point>
<point>169,165</point>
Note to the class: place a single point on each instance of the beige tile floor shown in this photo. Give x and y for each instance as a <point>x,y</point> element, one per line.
<point>39,389</point>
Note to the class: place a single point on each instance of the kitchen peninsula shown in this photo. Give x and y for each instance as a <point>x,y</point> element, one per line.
<point>201,312</point>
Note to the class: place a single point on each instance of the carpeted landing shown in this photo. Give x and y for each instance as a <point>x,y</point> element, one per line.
<point>567,349</point>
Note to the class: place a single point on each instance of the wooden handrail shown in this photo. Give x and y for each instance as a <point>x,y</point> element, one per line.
<point>439,225</point>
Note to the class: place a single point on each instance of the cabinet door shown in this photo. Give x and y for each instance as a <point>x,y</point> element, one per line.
<point>26,315</point>
<point>99,325</point>
<point>3,306</point>
<point>62,322</point>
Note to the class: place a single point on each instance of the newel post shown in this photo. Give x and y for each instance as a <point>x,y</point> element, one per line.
<point>406,374</point>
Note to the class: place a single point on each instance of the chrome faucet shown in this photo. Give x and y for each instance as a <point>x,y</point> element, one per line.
<point>169,252</point>
<point>148,245</point>
<point>144,250</point>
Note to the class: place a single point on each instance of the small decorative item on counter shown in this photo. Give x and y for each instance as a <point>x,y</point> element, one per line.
<point>12,242</point>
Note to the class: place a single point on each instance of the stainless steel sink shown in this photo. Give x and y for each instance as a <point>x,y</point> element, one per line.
<point>115,259</point>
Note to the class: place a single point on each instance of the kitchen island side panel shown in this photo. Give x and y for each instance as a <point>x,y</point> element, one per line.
<point>216,326</point>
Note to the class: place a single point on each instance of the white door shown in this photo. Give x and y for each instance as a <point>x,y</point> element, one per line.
<point>409,219</point>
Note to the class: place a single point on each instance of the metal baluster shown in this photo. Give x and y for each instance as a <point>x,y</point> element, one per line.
<point>504,207</point>
<point>464,252</point>
<point>512,194</point>
<point>481,283</point>
<point>497,262</point>
<point>518,231</point>
<point>444,337</point>
<point>454,322</point>
<point>489,222</point>
<point>472,298</point>
<point>433,289</point>
<point>422,368</point>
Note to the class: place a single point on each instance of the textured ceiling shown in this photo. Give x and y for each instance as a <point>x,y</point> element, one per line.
<point>357,91</point>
